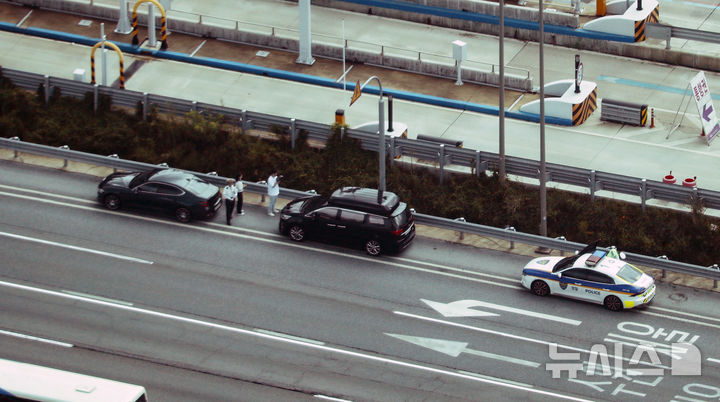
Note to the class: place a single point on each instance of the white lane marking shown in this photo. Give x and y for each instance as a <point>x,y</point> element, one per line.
<point>521,384</point>
<point>669,317</point>
<point>265,240</point>
<point>197,49</point>
<point>45,194</point>
<point>704,317</point>
<point>35,338</point>
<point>297,338</point>
<point>89,296</point>
<point>455,349</point>
<point>76,248</point>
<point>710,359</point>
<point>345,352</point>
<point>455,269</point>
<point>513,336</point>
<point>463,308</point>
<point>330,398</point>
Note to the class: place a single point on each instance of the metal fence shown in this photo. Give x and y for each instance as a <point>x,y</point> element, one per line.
<point>440,155</point>
<point>667,32</point>
<point>458,225</point>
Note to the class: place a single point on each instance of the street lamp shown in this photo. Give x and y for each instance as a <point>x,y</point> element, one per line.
<point>381,130</point>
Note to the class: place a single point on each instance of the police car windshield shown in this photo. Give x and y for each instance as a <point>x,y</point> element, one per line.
<point>629,273</point>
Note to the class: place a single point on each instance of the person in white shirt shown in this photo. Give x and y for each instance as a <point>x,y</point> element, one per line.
<point>273,187</point>
<point>229,194</point>
<point>239,186</point>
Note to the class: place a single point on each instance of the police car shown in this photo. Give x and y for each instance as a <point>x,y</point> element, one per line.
<point>593,275</point>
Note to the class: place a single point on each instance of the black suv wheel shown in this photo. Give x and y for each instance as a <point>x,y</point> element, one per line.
<point>373,247</point>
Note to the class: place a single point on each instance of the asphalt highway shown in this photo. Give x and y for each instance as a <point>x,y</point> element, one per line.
<point>266,318</point>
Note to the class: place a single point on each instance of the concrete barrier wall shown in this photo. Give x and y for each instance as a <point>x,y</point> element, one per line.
<point>660,55</point>
<point>472,6</point>
<point>279,42</point>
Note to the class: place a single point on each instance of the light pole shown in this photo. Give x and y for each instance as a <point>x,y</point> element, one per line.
<point>543,189</point>
<point>381,130</point>
<point>501,111</point>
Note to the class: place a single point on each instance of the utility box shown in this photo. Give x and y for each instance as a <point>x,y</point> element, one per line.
<point>79,75</point>
<point>459,50</point>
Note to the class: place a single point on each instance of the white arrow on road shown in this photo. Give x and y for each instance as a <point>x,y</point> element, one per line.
<point>464,308</point>
<point>454,349</point>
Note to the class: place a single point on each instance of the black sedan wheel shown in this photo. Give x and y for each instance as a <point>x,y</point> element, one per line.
<point>613,303</point>
<point>540,288</point>
<point>373,247</point>
<point>296,233</point>
<point>183,215</point>
<point>111,202</point>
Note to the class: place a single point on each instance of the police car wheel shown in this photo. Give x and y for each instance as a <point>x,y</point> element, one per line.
<point>540,288</point>
<point>613,303</point>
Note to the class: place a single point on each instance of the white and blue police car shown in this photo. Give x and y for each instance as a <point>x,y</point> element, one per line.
<point>593,275</point>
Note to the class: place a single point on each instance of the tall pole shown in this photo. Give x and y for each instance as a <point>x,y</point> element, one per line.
<point>381,125</point>
<point>305,40</point>
<point>381,132</point>
<point>543,189</point>
<point>501,114</point>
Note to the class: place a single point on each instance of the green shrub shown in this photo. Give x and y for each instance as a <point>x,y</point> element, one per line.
<point>204,143</point>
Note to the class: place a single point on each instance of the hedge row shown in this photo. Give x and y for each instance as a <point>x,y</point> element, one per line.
<point>205,143</point>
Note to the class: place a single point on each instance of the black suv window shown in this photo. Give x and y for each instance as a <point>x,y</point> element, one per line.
<point>402,215</point>
<point>376,220</point>
<point>352,216</point>
<point>327,213</point>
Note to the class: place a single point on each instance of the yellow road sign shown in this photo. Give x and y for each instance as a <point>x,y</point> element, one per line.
<point>356,93</point>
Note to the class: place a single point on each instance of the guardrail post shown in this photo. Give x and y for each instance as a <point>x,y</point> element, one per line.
<point>442,163</point>
<point>643,194</point>
<point>145,105</point>
<point>114,156</point>
<point>243,117</point>
<point>65,161</point>
<point>262,194</point>
<point>16,138</point>
<point>95,97</point>
<point>461,234</point>
<point>717,268</point>
<point>592,185</point>
<point>293,134</point>
<point>662,257</point>
<point>46,83</point>
<point>194,106</point>
<point>477,163</point>
<point>342,133</point>
<point>562,252</point>
<point>512,242</point>
<point>392,151</point>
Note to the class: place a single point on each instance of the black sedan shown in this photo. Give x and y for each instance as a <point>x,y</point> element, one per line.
<point>180,193</point>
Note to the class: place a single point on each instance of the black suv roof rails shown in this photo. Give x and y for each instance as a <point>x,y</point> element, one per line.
<point>364,199</point>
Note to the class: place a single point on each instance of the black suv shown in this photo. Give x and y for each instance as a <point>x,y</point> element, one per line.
<point>351,214</point>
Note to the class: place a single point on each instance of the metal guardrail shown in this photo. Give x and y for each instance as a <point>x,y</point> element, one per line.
<point>667,32</point>
<point>458,225</point>
<point>443,156</point>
